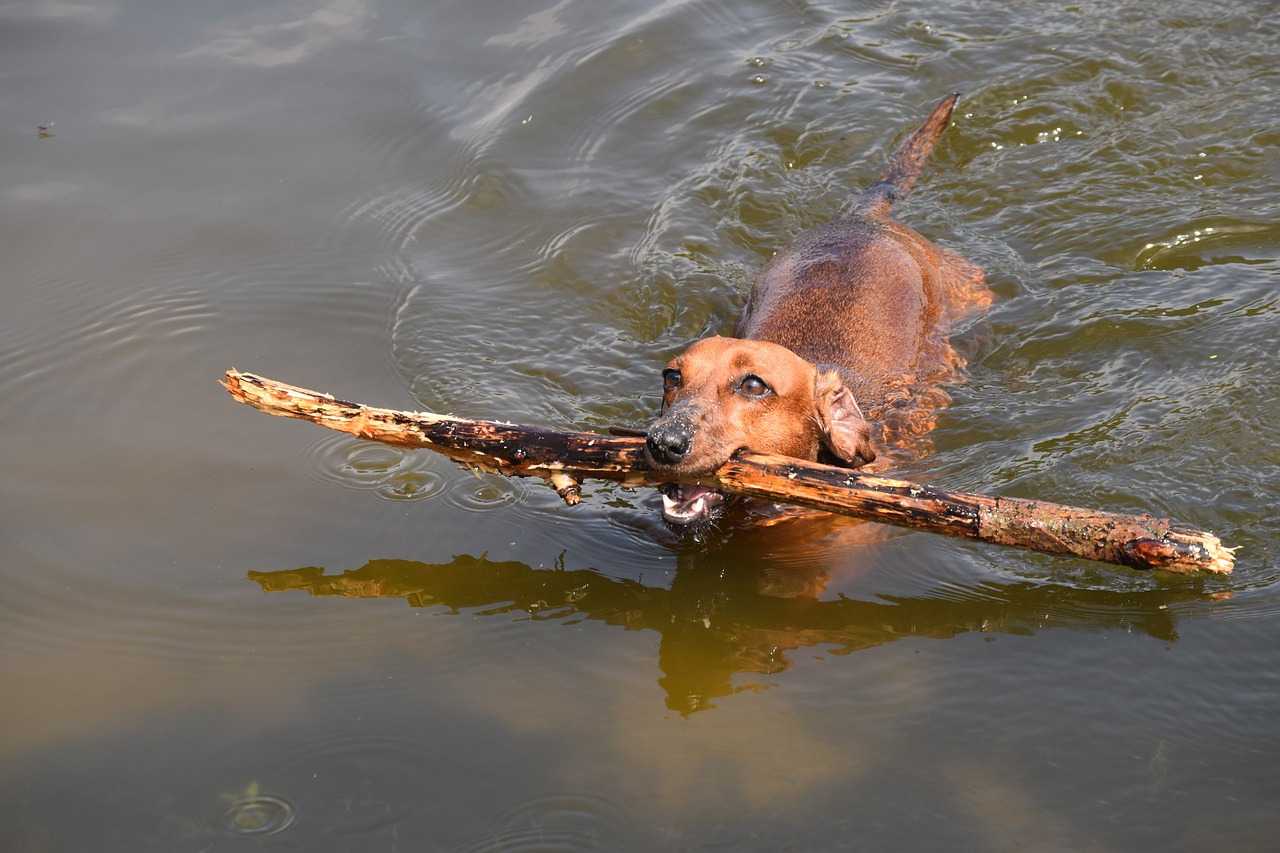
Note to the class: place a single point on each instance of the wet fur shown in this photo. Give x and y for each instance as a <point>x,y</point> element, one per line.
<point>850,316</point>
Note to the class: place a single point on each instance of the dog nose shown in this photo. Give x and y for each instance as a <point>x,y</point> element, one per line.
<point>668,443</point>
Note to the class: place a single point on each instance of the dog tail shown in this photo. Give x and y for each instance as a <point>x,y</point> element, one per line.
<point>904,167</point>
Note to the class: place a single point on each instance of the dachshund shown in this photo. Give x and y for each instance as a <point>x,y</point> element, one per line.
<point>838,354</point>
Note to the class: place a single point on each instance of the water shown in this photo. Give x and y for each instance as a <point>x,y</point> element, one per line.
<point>226,631</point>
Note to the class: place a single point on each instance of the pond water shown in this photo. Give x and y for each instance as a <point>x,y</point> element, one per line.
<point>225,631</point>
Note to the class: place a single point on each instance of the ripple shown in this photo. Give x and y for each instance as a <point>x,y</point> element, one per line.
<point>389,472</point>
<point>463,182</point>
<point>161,314</point>
<point>259,815</point>
<point>121,337</point>
<point>563,371</point>
<point>610,123</point>
<point>486,493</point>
<point>400,474</point>
<point>334,766</point>
<point>1194,246</point>
<point>561,821</point>
<point>447,181</point>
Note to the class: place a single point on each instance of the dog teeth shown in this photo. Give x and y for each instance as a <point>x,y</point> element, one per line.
<point>677,508</point>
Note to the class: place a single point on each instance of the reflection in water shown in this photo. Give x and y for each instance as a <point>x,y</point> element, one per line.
<point>715,624</point>
<point>286,33</point>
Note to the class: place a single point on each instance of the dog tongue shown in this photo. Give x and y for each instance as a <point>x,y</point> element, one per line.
<point>683,504</point>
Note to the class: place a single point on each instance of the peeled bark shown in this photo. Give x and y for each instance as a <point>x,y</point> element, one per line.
<point>564,458</point>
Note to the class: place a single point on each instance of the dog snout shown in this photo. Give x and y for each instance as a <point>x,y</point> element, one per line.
<point>669,441</point>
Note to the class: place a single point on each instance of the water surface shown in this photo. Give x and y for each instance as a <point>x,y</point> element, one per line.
<point>226,631</point>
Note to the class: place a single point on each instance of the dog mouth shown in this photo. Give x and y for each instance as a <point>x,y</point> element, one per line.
<point>684,504</point>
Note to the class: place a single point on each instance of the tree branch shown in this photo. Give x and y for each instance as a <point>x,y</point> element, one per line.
<point>564,458</point>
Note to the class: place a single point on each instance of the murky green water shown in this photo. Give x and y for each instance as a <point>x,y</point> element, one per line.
<point>223,631</point>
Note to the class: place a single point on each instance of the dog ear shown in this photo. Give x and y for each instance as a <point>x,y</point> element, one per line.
<point>845,432</point>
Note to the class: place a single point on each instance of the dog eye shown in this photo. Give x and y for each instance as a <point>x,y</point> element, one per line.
<point>754,386</point>
<point>671,379</point>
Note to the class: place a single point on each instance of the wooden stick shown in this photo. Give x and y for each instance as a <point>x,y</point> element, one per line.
<point>564,458</point>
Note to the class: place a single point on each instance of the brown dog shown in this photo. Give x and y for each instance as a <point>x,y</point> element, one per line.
<point>855,311</point>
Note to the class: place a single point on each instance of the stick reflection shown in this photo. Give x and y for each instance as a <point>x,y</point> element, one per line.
<point>714,625</point>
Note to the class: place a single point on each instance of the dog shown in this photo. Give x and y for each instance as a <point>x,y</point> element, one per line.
<point>838,355</point>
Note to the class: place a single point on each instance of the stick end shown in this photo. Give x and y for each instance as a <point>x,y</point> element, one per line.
<point>569,489</point>
<point>1181,552</point>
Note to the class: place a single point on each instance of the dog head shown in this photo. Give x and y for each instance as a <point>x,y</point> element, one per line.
<point>723,395</point>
